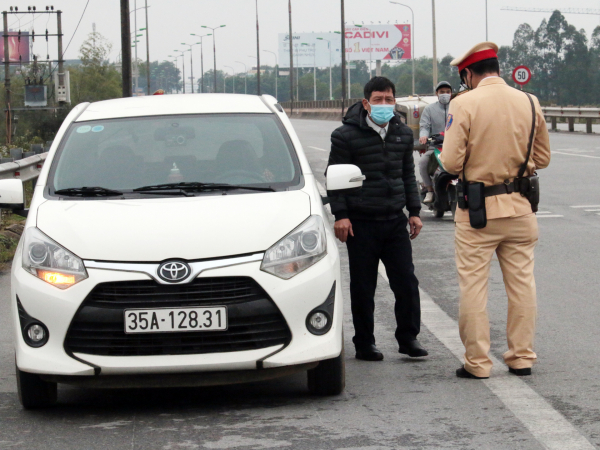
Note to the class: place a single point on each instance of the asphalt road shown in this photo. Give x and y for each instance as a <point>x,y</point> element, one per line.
<point>397,403</point>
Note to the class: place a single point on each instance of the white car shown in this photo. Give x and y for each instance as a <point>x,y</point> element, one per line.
<point>176,241</point>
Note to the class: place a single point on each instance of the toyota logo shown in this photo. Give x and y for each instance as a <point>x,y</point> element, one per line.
<point>174,271</point>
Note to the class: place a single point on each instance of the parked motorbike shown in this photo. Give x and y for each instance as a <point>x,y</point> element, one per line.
<point>444,183</point>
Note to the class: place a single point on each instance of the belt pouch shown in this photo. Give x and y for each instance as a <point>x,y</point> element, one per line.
<point>460,196</point>
<point>476,198</point>
<point>534,192</point>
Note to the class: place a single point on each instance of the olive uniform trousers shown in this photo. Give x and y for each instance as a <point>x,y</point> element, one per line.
<point>513,239</point>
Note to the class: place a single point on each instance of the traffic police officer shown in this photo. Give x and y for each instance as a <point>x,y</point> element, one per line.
<point>486,140</point>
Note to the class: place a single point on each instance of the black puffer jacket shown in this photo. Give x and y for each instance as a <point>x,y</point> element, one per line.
<point>388,165</point>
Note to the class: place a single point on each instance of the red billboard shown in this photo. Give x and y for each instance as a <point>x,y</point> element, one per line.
<point>373,42</point>
<point>18,47</point>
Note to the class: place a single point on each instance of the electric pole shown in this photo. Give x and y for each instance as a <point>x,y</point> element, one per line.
<point>291,39</point>
<point>147,49</point>
<point>257,54</point>
<point>125,49</point>
<point>7,78</point>
<point>343,60</point>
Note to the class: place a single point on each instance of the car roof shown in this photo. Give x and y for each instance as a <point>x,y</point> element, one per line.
<point>158,105</point>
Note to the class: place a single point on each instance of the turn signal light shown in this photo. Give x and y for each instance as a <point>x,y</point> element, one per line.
<point>57,278</point>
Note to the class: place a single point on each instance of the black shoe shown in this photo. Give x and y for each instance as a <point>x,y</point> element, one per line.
<point>464,373</point>
<point>413,349</point>
<point>520,372</point>
<point>369,353</point>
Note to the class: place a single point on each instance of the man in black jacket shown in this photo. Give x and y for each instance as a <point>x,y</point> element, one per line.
<point>372,221</point>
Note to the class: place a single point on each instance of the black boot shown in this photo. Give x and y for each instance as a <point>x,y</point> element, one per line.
<point>464,373</point>
<point>413,349</point>
<point>369,353</point>
<point>520,372</point>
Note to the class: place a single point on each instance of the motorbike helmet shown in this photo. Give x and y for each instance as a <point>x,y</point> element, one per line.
<point>442,84</point>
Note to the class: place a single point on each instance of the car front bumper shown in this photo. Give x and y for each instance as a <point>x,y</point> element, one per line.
<point>294,298</point>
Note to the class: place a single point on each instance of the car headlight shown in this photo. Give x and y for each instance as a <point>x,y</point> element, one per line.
<point>297,251</point>
<point>51,262</point>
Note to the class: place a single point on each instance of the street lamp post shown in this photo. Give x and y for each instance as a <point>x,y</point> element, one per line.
<point>257,70</point>
<point>486,21</point>
<point>245,76</point>
<point>349,66</point>
<point>276,69</point>
<point>330,80</point>
<point>314,69</point>
<point>214,52</point>
<point>183,65</point>
<point>233,71</point>
<point>435,67</point>
<point>176,70</point>
<point>201,59</point>
<point>192,61</point>
<point>370,52</point>
<point>412,41</point>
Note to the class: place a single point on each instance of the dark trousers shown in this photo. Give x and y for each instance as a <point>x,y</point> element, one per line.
<point>388,241</point>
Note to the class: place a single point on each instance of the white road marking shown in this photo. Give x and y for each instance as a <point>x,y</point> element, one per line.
<point>575,154</point>
<point>549,216</point>
<point>586,206</point>
<point>546,424</point>
<point>592,210</point>
<point>317,148</point>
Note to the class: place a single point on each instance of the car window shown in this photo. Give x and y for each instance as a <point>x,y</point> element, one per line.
<point>128,153</point>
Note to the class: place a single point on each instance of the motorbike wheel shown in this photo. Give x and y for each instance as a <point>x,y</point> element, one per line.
<point>438,213</point>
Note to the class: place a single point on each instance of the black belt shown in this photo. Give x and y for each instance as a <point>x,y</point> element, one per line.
<point>500,189</point>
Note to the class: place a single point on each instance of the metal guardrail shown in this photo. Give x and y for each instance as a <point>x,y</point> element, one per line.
<point>24,169</point>
<point>550,112</point>
<point>571,114</point>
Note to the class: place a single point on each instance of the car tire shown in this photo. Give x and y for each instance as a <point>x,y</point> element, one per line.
<point>35,392</point>
<point>329,377</point>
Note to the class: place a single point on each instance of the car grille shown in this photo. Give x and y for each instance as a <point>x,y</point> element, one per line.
<point>254,320</point>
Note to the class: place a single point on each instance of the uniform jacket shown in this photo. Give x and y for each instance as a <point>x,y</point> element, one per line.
<point>433,120</point>
<point>388,165</point>
<point>488,131</point>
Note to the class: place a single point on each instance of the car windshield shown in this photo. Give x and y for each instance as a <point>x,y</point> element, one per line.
<point>129,153</point>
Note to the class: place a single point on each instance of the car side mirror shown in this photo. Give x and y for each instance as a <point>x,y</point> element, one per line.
<point>342,179</point>
<point>12,196</point>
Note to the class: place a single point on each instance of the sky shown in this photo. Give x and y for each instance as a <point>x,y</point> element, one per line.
<point>460,24</point>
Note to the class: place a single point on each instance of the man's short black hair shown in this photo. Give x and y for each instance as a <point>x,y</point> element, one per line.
<point>379,84</point>
<point>482,67</point>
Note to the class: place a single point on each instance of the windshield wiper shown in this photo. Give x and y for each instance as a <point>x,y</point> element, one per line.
<point>196,186</point>
<point>95,191</point>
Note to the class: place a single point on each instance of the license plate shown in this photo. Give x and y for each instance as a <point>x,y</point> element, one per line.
<point>168,320</point>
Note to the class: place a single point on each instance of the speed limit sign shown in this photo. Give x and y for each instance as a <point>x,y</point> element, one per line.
<point>521,75</point>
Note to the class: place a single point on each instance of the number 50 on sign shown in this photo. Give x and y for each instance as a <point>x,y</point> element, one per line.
<point>521,75</point>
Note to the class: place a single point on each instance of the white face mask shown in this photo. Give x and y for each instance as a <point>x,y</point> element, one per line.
<point>444,98</point>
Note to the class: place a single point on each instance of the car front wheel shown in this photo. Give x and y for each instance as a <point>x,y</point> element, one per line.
<point>329,377</point>
<point>35,392</point>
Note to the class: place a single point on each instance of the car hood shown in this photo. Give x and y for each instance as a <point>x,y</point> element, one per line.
<point>152,230</point>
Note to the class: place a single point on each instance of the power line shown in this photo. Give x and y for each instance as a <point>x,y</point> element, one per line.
<point>550,10</point>
<point>78,23</point>
<point>65,50</point>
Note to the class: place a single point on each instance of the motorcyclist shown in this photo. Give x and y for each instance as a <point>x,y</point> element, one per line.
<point>433,121</point>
